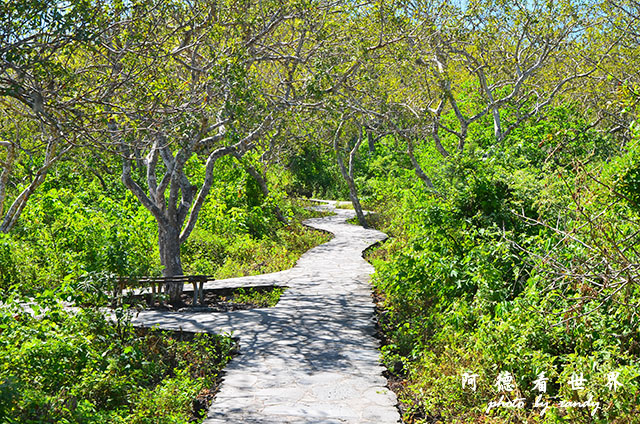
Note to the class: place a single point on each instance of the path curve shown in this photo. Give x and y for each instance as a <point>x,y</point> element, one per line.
<point>312,358</point>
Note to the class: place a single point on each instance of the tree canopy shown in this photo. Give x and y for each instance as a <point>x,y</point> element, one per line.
<point>495,140</point>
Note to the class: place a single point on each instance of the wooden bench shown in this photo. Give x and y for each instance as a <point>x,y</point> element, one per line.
<point>157,284</point>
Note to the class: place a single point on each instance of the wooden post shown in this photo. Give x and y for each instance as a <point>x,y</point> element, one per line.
<point>195,292</point>
<point>201,290</point>
<point>153,292</point>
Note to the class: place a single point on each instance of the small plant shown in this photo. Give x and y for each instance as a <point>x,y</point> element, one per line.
<point>344,205</point>
<point>260,298</point>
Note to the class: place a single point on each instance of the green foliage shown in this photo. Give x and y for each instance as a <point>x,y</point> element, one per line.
<point>258,298</point>
<point>80,368</point>
<point>466,287</point>
<point>239,234</point>
<point>79,241</point>
<point>521,258</point>
<point>29,23</point>
<point>69,236</point>
<point>558,140</point>
<point>628,184</point>
<point>247,256</point>
<point>9,274</point>
<point>314,173</point>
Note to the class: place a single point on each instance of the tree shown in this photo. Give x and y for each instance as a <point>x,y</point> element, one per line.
<point>517,57</point>
<point>37,150</point>
<point>193,82</point>
<point>261,179</point>
<point>433,70</point>
<point>351,68</point>
<point>615,96</point>
<point>38,93</point>
<point>347,171</point>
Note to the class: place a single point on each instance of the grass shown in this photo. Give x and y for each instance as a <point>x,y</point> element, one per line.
<point>344,205</point>
<point>258,298</point>
<point>248,256</point>
<point>374,219</point>
<point>300,207</point>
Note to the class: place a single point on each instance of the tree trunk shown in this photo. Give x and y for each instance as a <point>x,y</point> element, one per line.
<point>436,138</point>
<point>355,201</point>
<point>464,130</point>
<point>416,166</point>
<point>7,168</point>
<point>169,245</point>
<point>353,192</point>
<point>15,210</point>
<point>347,174</point>
<point>371,142</point>
<point>265,191</point>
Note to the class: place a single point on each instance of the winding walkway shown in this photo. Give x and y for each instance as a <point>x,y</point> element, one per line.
<point>311,359</point>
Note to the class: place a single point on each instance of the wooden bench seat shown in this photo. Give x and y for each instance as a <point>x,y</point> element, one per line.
<point>157,283</point>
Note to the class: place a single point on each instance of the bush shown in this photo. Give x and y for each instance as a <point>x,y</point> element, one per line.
<point>80,368</point>
<point>515,265</point>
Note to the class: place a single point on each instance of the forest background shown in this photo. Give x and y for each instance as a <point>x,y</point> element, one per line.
<point>495,141</point>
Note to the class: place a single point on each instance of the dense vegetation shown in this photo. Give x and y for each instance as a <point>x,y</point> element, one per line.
<point>520,265</point>
<point>496,141</point>
<point>60,367</point>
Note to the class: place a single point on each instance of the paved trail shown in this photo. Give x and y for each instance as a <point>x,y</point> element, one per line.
<point>313,358</point>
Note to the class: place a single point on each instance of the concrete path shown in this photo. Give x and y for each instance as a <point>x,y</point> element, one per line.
<point>311,359</point>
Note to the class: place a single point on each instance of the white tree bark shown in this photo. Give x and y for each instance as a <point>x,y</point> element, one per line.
<point>10,218</point>
<point>347,173</point>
